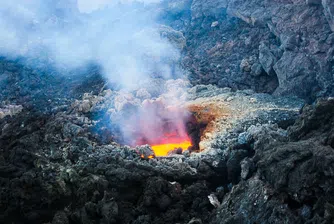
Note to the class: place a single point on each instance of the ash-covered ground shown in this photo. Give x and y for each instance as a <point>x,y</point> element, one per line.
<point>258,74</point>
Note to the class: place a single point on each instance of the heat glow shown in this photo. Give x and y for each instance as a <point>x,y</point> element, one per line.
<point>164,149</point>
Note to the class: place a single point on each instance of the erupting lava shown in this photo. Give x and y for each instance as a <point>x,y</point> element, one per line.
<point>164,148</point>
<point>164,145</point>
<point>163,128</point>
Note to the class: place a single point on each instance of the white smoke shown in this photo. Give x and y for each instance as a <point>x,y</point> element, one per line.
<point>120,35</point>
<point>122,38</point>
<point>88,6</point>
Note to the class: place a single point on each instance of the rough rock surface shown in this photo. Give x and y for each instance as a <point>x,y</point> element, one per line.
<point>82,176</point>
<point>294,177</point>
<point>254,171</point>
<point>229,41</point>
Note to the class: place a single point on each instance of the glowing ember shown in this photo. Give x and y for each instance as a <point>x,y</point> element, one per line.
<point>148,157</point>
<point>164,149</point>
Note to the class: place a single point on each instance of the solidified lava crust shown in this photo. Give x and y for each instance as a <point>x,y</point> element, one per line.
<point>83,176</point>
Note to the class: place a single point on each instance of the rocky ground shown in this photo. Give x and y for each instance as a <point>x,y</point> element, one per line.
<point>81,177</point>
<point>267,46</point>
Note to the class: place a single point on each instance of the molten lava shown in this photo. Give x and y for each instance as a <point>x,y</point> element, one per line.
<point>164,148</point>
<point>164,145</point>
<point>161,126</point>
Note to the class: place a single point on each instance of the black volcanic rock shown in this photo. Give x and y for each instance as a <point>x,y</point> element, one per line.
<point>290,39</point>
<point>329,12</point>
<point>294,174</point>
<point>81,179</point>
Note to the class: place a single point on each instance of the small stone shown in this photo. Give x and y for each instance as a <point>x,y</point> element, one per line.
<point>267,59</point>
<point>109,211</point>
<point>195,221</point>
<point>330,39</point>
<point>230,186</point>
<point>186,153</point>
<point>252,100</point>
<point>2,114</point>
<point>214,200</point>
<point>306,212</point>
<point>60,218</point>
<point>245,65</point>
<point>164,202</point>
<point>84,106</point>
<point>247,168</point>
<point>214,24</point>
<point>256,69</point>
<point>244,138</point>
<point>220,192</point>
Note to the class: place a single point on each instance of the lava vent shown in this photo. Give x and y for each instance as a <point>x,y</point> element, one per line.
<point>169,129</point>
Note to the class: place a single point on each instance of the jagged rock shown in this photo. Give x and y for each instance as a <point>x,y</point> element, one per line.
<point>72,130</point>
<point>267,59</point>
<point>252,201</point>
<point>109,212</point>
<point>210,8</point>
<point>256,69</point>
<point>10,110</point>
<point>247,168</point>
<point>243,138</point>
<point>290,42</point>
<point>234,166</point>
<point>329,12</point>
<point>295,69</point>
<point>60,218</point>
<point>195,221</point>
<point>245,65</point>
<point>281,26</point>
<point>313,119</point>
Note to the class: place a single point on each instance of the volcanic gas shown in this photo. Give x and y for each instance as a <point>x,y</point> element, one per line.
<point>169,128</point>
<point>163,127</point>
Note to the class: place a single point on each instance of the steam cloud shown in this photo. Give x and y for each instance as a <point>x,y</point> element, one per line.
<point>121,36</point>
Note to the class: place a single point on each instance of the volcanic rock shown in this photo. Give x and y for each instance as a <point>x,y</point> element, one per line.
<point>60,218</point>
<point>10,110</point>
<point>276,34</point>
<point>69,163</point>
<point>292,170</point>
<point>329,7</point>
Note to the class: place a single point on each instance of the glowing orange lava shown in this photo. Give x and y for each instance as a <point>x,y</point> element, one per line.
<point>164,149</point>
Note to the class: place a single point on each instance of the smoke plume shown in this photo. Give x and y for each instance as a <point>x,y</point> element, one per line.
<point>121,36</point>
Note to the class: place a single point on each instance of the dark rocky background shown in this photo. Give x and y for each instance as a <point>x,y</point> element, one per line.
<point>279,47</point>
<point>58,163</point>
